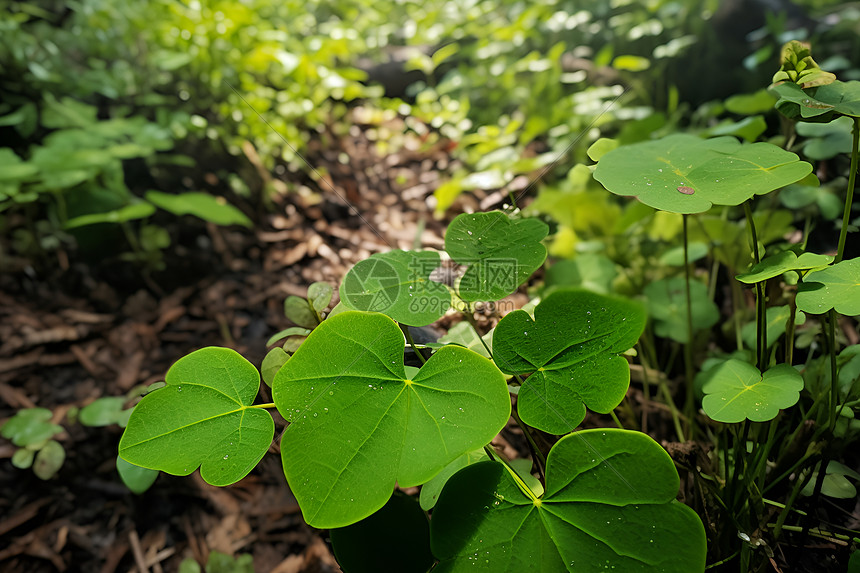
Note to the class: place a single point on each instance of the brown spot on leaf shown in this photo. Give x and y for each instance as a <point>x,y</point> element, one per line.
<point>686,190</point>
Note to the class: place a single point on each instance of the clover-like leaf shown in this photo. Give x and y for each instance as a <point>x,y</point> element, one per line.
<point>685,174</point>
<point>203,417</point>
<point>501,253</point>
<point>836,287</point>
<point>819,104</point>
<point>609,504</point>
<point>404,547</point>
<point>572,351</point>
<point>667,304</point>
<point>398,285</point>
<point>358,424</point>
<point>737,390</point>
<point>780,263</point>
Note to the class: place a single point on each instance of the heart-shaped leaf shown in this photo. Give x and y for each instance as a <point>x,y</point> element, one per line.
<point>404,547</point>
<point>737,390</point>
<point>836,287</point>
<point>572,351</point>
<point>501,253</point>
<point>686,174</point>
<point>398,285</point>
<point>203,417</point>
<point>780,263</point>
<point>609,504</point>
<point>667,304</point>
<point>819,104</point>
<point>358,424</point>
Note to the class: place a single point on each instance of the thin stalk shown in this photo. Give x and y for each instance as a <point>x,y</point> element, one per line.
<point>689,405</point>
<point>616,420</point>
<point>834,381</point>
<point>792,497</point>
<point>268,405</point>
<point>411,342</point>
<point>761,315</point>
<point>676,420</point>
<point>538,454</point>
<point>849,197</point>
<point>646,388</point>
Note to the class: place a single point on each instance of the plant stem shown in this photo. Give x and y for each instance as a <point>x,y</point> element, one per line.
<point>849,197</point>
<point>689,404</point>
<point>540,459</point>
<point>408,335</point>
<point>761,312</point>
<point>834,378</point>
<point>268,405</point>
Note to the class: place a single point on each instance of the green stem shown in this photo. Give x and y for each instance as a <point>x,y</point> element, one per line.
<point>849,197</point>
<point>268,405</point>
<point>616,420</point>
<point>761,313</point>
<point>689,404</point>
<point>792,497</point>
<point>540,459</point>
<point>834,380</point>
<point>408,335</point>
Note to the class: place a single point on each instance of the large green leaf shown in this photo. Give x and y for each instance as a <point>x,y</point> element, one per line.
<point>836,287</point>
<point>501,253</point>
<point>609,504</point>
<point>737,390</point>
<point>203,205</point>
<point>404,546</point>
<point>820,104</point>
<point>397,284</point>
<point>202,418</point>
<point>685,174</point>
<point>780,263</point>
<point>358,424</point>
<point>667,304</point>
<point>572,351</point>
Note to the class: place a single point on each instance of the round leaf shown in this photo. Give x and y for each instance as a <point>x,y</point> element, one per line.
<point>319,295</point>
<point>572,351</point>
<point>501,253</point>
<point>667,304</point>
<point>272,363</point>
<point>202,205</point>
<point>298,310</point>
<point>398,285</point>
<point>609,504</point>
<point>404,547</point>
<point>685,174</point>
<point>836,287</point>
<point>737,390</point>
<point>135,478</point>
<point>780,263</point>
<point>203,417</point>
<point>358,424</point>
<point>49,460</point>
<point>102,412</point>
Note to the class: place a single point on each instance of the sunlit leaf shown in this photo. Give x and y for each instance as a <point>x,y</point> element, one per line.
<point>821,104</point>
<point>798,67</point>
<point>202,205</point>
<point>737,390</point>
<point>121,215</point>
<point>358,424</point>
<point>609,504</point>
<point>775,265</point>
<point>202,418</point>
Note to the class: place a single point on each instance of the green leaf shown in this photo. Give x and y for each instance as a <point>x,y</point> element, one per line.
<point>49,460</point>
<point>601,147</point>
<point>202,205</point>
<point>783,262</point>
<point>572,351</point>
<point>836,287</point>
<point>777,318</point>
<point>798,67</point>
<point>685,174</point>
<point>749,128</point>
<point>501,253</point>
<point>675,256</point>
<point>430,491</point>
<point>23,458</point>
<point>30,426</point>
<point>135,478</point>
<point>667,305</point>
<point>398,285</point>
<point>737,390</point>
<point>358,424</point>
<point>826,140</point>
<point>591,271</point>
<point>319,295</point>
<point>121,215</point>
<point>67,112</point>
<point>610,504</point>
<point>298,310</point>
<point>463,334</point>
<point>103,412</point>
<point>202,418</point>
<point>820,104</point>
<point>404,547</point>
<point>835,483</point>
<point>13,168</point>
<point>760,101</point>
<point>273,361</point>
<point>292,331</point>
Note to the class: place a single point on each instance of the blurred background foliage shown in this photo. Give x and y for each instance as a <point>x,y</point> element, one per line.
<point>106,103</point>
